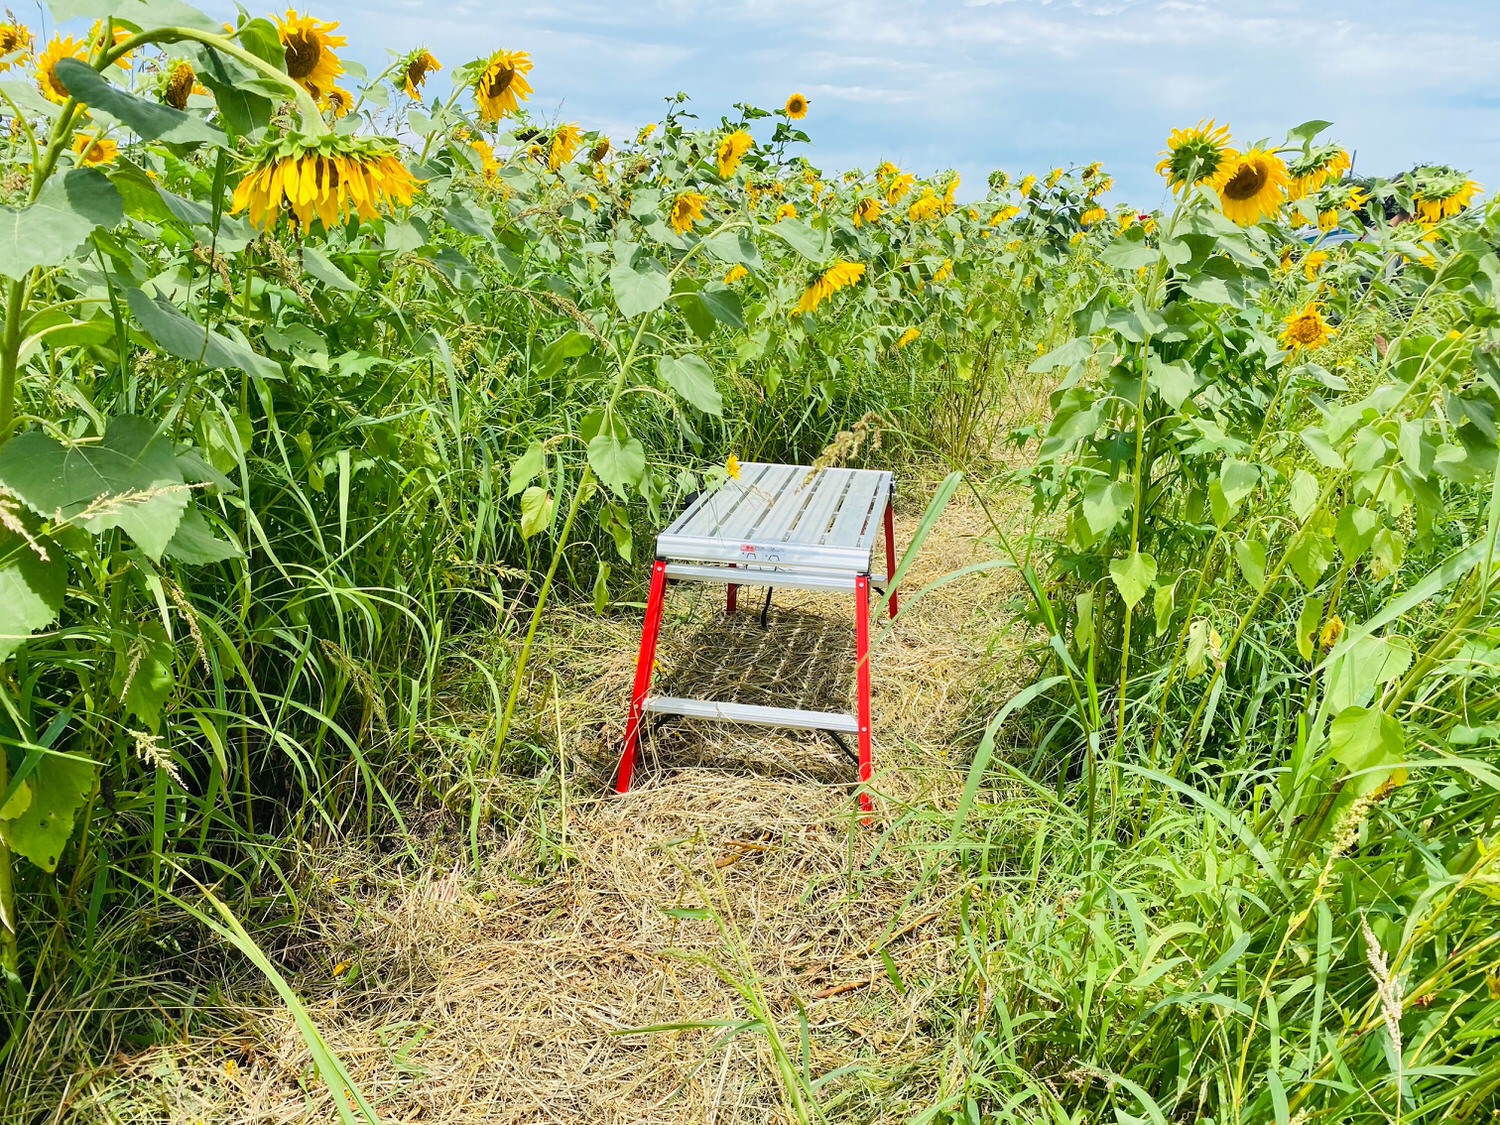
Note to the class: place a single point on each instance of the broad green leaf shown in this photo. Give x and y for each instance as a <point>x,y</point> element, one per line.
<point>241,109</point>
<point>1318,444</point>
<point>1074,351</point>
<point>723,304</point>
<point>1105,504</point>
<point>1386,550</point>
<point>811,244</point>
<point>1366,738</point>
<point>570,345</point>
<point>1308,130</point>
<point>735,247</point>
<point>537,507</point>
<point>525,468</point>
<point>639,290</point>
<point>179,335</point>
<point>144,679</point>
<point>1174,381</point>
<point>1307,626</point>
<point>1217,281</point>
<point>1355,669</point>
<point>1355,530</point>
<point>617,520</point>
<point>1310,556</point>
<point>129,479</point>
<point>1133,576</point>
<point>59,787</point>
<point>70,207</point>
<point>1129,251</point>
<point>469,218</point>
<point>153,121</point>
<point>1250,555</point>
<point>692,378</point>
<point>601,589</point>
<point>618,459</point>
<point>1304,494</point>
<point>142,13</point>
<point>32,587</point>
<point>318,264</point>
<point>1238,479</point>
<point>195,543</point>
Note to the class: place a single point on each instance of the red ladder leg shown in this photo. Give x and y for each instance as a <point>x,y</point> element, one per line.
<point>732,598</point>
<point>644,665</point>
<point>862,682</point>
<point>890,555</point>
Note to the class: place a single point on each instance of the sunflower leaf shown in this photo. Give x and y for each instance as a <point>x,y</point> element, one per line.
<point>67,210</point>
<point>639,290</point>
<point>153,121</point>
<point>142,13</point>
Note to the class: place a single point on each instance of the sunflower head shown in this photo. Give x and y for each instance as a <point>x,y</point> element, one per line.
<point>599,151</point>
<point>796,107</point>
<point>15,39</point>
<point>786,211</point>
<point>488,165</point>
<point>925,207</point>
<point>1306,329</point>
<point>907,337</point>
<point>1315,168</point>
<point>61,47</point>
<point>565,143</point>
<point>943,272</point>
<point>415,68</point>
<point>1255,187</point>
<point>1004,215</point>
<point>1053,177</point>
<point>837,276</point>
<point>1314,261</point>
<point>1440,192</point>
<point>1026,186</point>
<point>687,210</point>
<point>731,151</point>
<point>1093,215</point>
<point>867,210</point>
<point>1200,155</point>
<point>900,184</point>
<point>337,101</point>
<point>736,273</point>
<point>178,83</point>
<point>309,43</point>
<point>93,151</point>
<point>328,178</point>
<point>502,84</point>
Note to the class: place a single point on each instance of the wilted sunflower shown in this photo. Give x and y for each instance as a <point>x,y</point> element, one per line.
<point>1255,187</point>
<point>1306,330</point>
<point>830,281</point>
<point>907,337</point>
<point>1004,214</point>
<point>900,184</point>
<point>1440,192</point>
<point>1200,155</point>
<point>599,151</point>
<point>61,47</point>
<point>415,68</point>
<point>999,180</point>
<point>1026,185</point>
<point>925,207</point>
<point>564,145</point>
<point>310,61</point>
<point>1099,187</point>
<point>117,36</point>
<point>867,211</point>
<point>1093,170</point>
<point>179,83</point>
<point>796,107</point>
<point>93,151</point>
<point>732,150</point>
<point>502,84</point>
<point>488,165</point>
<point>949,192</point>
<point>944,272</point>
<point>1093,215</point>
<point>1053,177</point>
<point>786,211</point>
<point>1309,173</point>
<point>327,178</point>
<point>1314,261</point>
<point>15,39</point>
<point>1332,201</point>
<point>687,209</point>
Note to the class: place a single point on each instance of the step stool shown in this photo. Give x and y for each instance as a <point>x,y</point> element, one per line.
<point>775,525</point>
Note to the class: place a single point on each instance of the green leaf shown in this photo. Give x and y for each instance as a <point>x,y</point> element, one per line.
<point>1318,444</point>
<point>1250,555</point>
<point>601,589</point>
<point>179,335</point>
<point>195,543</point>
<point>525,468</point>
<point>1304,494</point>
<point>144,679</point>
<point>537,507</point>
<point>618,459</point>
<point>692,378</point>
<point>1355,530</point>
<point>1129,251</point>
<point>570,345</point>
<point>1307,626</point>
<point>59,787</point>
<point>69,208</point>
<point>1356,668</point>
<point>1237,479</point>
<point>1074,351</point>
<point>142,13</point>
<point>723,304</point>
<point>1174,381</point>
<point>129,479</point>
<point>153,121</point>
<point>639,291</point>
<point>812,245</point>
<point>1105,504</point>
<point>1366,738</point>
<point>469,218</point>
<point>32,587</point>
<point>1310,556</point>
<point>1308,130</point>
<point>318,264</point>
<point>735,247</point>
<point>1217,281</point>
<point>1133,576</point>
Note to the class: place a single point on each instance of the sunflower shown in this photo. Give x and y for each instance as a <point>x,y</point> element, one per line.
<point>337,101</point>
<point>1093,170</point>
<point>900,184</point>
<point>502,84</point>
<point>488,165</point>
<point>687,209</point>
<point>1004,214</point>
<point>61,47</point>
<point>999,180</point>
<point>796,107</point>
<point>179,83</point>
<point>732,467</point>
<point>15,38</point>
<point>837,276</point>
<point>1200,155</point>
<point>1126,220</point>
<point>732,150</point>
<point>1026,185</point>
<point>948,194</point>
<point>907,337</point>
<point>1312,171</point>
<point>1314,261</point>
<point>93,151</point>
<point>1099,187</point>
<point>1332,201</point>
<point>925,207</point>
<point>1077,238</point>
<point>415,68</point>
<point>1440,192</point>
<point>1255,187</point>
<point>328,178</point>
<point>645,134</point>
<point>736,273</point>
<point>117,36</point>
<point>564,145</point>
<point>867,211</point>
<point>1052,177</point>
<point>944,272</point>
<point>1306,330</point>
<point>310,61</point>
<point>599,151</point>
<point>1332,630</point>
<point>786,211</point>
<point>886,170</point>
<point>1093,215</point>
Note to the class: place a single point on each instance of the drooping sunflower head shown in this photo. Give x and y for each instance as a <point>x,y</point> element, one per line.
<point>687,210</point>
<point>1092,170</point>
<point>1315,168</point>
<point>736,273</point>
<point>1099,187</point>
<point>1314,262</point>
<point>328,178</point>
<point>93,151</point>
<point>415,68</point>
<point>502,84</point>
<point>309,43</point>
<point>15,40</point>
<point>178,83</point>
<point>838,276</point>
<point>488,165</point>
<point>925,207</point>
<point>1333,201</point>
<point>1440,192</point>
<point>867,210</point>
<point>337,101</point>
<point>1026,186</point>
<point>796,107</point>
<point>786,211</point>
<point>600,150</point>
<point>565,143</point>
<point>1093,215</point>
<point>907,337</point>
<point>731,151</point>
<point>1255,187</point>
<point>943,272</point>
<point>1053,177</point>
<point>886,170</point>
<point>1004,215</point>
<point>61,47</point>
<point>1306,329</point>
<point>900,184</point>
<point>1200,155</point>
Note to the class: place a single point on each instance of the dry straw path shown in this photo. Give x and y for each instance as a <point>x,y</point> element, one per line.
<point>733,880</point>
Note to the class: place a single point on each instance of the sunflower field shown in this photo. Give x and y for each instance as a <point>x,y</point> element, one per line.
<point>320,393</point>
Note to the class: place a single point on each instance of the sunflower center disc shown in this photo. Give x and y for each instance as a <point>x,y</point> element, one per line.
<point>499,82</point>
<point>1247,182</point>
<point>302,55</point>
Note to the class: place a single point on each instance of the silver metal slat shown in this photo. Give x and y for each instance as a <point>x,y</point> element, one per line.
<point>761,576</point>
<point>710,509</point>
<point>813,521</point>
<point>752,713</point>
<point>859,514</point>
<point>791,504</point>
<point>785,490</point>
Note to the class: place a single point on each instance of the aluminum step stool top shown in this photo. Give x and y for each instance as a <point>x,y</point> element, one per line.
<point>784,516</point>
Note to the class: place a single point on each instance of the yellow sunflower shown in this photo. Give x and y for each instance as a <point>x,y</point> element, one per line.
<point>687,209</point>
<point>900,184</point>
<point>786,211</point>
<point>502,84</point>
<point>179,83</point>
<point>1053,176</point>
<point>564,145</point>
<point>1200,155</point>
<point>1099,187</point>
<point>944,272</point>
<point>61,47</point>
<point>1309,173</point>
<point>1093,170</point>
<point>837,276</point>
<point>310,61</point>
<point>736,273</point>
<point>1306,329</point>
<point>1314,261</point>
<point>337,101</point>
<point>1026,185</point>
<point>925,207</point>
<point>886,170</point>
<point>1093,215</point>
<point>1255,188</point>
<point>867,211</point>
<point>732,467</point>
<point>118,35</point>
<point>732,150</point>
<point>1004,214</point>
<point>93,151</point>
<point>907,337</point>
<point>1440,192</point>
<point>15,39</point>
<point>645,134</point>
<point>329,178</point>
<point>488,165</point>
<point>415,68</point>
<point>796,107</point>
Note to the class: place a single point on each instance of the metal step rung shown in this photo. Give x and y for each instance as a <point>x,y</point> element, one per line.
<point>757,576</point>
<point>753,714</point>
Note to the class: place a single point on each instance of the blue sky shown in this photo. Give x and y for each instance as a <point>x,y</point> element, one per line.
<point>1019,84</point>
